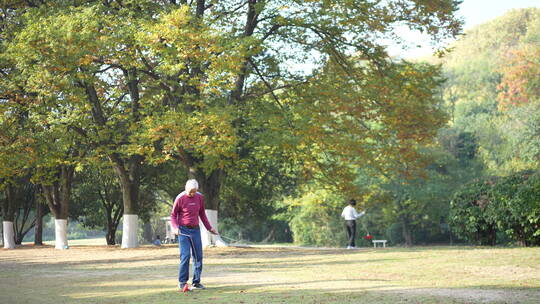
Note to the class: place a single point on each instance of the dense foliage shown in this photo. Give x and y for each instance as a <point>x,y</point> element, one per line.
<point>510,205</point>
<point>470,213</point>
<point>493,91</point>
<point>282,110</point>
<point>211,85</point>
<point>516,207</point>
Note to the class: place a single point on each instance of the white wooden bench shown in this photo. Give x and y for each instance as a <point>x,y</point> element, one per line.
<point>375,242</point>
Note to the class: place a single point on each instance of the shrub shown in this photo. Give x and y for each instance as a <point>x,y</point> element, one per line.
<point>516,207</point>
<point>468,217</point>
<point>510,205</point>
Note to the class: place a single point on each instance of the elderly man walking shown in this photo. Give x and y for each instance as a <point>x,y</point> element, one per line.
<point>188,207</point>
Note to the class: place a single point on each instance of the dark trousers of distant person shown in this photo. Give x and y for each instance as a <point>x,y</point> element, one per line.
<point>350,226</point>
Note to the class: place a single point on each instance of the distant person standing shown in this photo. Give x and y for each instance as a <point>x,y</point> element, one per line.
<point>188,207</point>
<point>350,215</point>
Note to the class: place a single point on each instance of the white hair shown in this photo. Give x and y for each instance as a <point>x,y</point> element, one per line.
<point>192,184</point>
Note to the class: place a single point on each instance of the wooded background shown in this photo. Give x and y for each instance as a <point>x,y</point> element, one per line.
<point>282,110</point>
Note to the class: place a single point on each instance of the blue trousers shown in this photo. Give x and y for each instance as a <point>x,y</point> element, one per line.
<point>189,242</point>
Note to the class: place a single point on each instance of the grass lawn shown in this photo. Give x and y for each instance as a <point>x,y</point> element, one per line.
<point>99,274</point>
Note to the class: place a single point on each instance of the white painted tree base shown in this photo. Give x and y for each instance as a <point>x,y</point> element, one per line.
<point>207,238</point>
<point>130,226</point>
<point>60,234</point>
<point>9,235</point>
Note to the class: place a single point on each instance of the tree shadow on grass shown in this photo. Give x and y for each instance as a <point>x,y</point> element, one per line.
<point>32,282</point>
<point>104,261</point>
<point>296,293</point>
<point>280,265</point>
<point>149,254</point>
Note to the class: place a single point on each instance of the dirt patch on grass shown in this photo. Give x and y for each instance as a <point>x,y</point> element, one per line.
<point>476,295</point>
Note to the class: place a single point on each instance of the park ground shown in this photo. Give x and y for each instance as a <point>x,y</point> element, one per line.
<point>269,274</point>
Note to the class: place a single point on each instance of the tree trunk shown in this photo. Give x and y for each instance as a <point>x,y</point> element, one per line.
<point>269,236</point>
<point>128,173</point>
<point>8,214</point>
<point>147,233</point>
<point>38,228</point>
<point>492,236</point>
<point>57,196</point>
<point>9,235</point>
<point>27,197</point>
<point>60,234</point>
<point>113,220</point>
<point>129,184</point>
<point>210,186</point>
<point>403,214</point>
<point>111,234</point>
<point>130,193</point>
<point>407,234</point>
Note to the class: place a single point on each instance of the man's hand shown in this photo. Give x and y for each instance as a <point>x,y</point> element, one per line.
<point>213,231</point>
<point>176,231</point>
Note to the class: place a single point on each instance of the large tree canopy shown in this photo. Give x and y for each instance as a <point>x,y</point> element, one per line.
<point>209,82</point>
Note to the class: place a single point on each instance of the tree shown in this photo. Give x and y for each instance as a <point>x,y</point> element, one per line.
<point>376,118</point>
<point>413,208</point>
<point>98,201</point>
<point>59,155</point>
<point>252,195</point>
<point>16,156</point>
<point>520,82</point>
<point>519,102</point>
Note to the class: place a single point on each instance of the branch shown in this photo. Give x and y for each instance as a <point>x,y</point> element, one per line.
<point>115,158</point>
<point>118,213</point>
<point>150,68</point>
<point>277,88</point>
<point>231,12</point>
<point>103,199</point>
<point>200,8</point>
<point>106,69</point>
<point>29,227</point>
<point>97,111</point>
<point>272,30</point>
<point>79,130</point>
<point>249,28</point>
<point>271,90</point>
<point>119,100</point>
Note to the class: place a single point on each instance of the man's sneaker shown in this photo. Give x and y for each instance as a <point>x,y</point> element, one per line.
<point>183,287</point>
<point>198,286</point>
